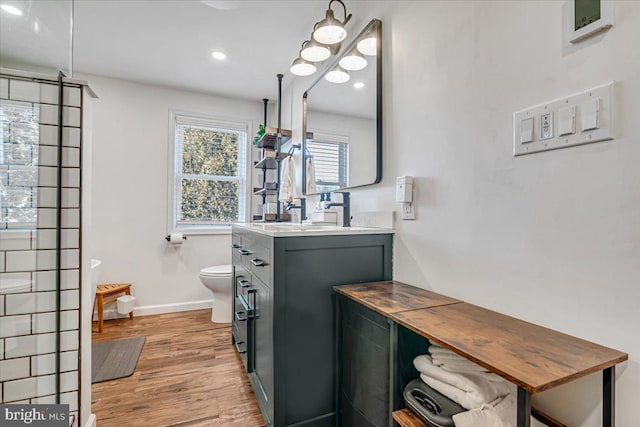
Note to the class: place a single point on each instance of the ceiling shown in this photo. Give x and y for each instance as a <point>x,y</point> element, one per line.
<point>166,42</point>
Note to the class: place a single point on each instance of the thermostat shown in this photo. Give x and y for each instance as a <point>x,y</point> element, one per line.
<point>588,17</point>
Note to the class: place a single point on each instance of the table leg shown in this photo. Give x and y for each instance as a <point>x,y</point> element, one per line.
<point>100,313</point>
<point>524,408</point>
<point>609,397</point>
<point>128,292</point>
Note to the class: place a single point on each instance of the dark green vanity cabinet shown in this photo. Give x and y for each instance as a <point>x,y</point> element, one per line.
<point>290,332</point>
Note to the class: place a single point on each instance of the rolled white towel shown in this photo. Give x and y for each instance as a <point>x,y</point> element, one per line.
<point>470,390</point>
<point>443,352</point>
<point>452,365</point>
<point>501,413</point>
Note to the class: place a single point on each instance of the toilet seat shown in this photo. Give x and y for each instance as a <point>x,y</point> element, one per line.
<point>217,271</point>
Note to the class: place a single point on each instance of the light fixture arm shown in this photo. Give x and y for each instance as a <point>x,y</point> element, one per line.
<point>346,17</point>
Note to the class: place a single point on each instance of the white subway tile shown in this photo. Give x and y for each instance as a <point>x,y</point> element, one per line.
<point>31,260</point>
<point>47,218</point>
<point>1,306</point>
<point>69,320</point>
<point>47,197</point>
<point>71,96</point>
<point>48,114</point>
<point>70,279</point>
<point>71,399</point>
<point>47,176</point>
<point>48,93</point>
<point>68,340</point>
<point>45,301</point>
<point>44,400</point>
<point>44,239</point>
<point>48,135</point>
<point>29,345</point>
<point>70,238</point>
<point>29,388</point>
<point>45,260</point>
<point>44,280</point>
<point>71,116</point>
<point>70,258</point>
<point>10,280</point>
<point>48,155</point>
<point>43,365</point>
<point>70,177</point>
<point>71,137</point>
<point>68,361</point>
<point>70,218</point>
<point>13,326</point>
<point>70,157</point>
<point>20,90</point>
<point>42,323</point>
<point>15,240</point>
<point>69,381</point>
<point>4,88</point>
<point>20,303</point>
<point>70,300</point>
<point>2,267</point>
<point>70,198</point>
<point>14,368</point>
<point>1,356</point>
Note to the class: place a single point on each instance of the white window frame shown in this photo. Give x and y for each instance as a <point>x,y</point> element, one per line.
<point>198,119</point>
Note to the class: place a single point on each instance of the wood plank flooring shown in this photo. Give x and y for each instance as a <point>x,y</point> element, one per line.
<point>189,374</point>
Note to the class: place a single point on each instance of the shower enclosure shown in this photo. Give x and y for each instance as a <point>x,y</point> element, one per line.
<point>42,120</point>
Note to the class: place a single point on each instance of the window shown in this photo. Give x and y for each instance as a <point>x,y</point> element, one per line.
<point>209,173</point>
<point>19,139</point>
<point>331,161</point>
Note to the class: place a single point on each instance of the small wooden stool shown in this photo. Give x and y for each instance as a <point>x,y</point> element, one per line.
<point>107,294</point>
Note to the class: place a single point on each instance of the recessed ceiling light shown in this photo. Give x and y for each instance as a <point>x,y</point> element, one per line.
<point>358,85</point>
<point>219,55</point>
<point>11,9</point>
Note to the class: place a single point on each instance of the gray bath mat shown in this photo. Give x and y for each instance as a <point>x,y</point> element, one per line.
<point>115,359</point>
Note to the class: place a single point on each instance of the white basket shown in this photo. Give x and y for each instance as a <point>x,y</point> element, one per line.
<point>125,304</point>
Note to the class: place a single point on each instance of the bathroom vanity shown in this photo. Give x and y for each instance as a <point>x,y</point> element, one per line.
<point>284,325</point>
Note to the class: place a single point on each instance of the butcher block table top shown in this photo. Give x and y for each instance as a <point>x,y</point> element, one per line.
<point>530,356</point>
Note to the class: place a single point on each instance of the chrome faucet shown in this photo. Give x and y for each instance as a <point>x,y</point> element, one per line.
<point>302,206</point>
<point>346,207</point>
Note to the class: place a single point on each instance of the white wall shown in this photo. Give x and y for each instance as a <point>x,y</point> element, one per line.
<point>552,238</point>
<point>130,148</point>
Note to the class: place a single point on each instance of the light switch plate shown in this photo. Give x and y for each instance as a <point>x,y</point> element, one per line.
<point>570,119</point>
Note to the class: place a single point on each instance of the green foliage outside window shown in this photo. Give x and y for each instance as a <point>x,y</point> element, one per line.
<point>209,156</point>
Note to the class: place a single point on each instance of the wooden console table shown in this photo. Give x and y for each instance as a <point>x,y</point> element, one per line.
<point>532,357</point>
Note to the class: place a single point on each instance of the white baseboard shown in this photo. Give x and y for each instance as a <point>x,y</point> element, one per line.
<point>148,310</point>
<point>91,421</point>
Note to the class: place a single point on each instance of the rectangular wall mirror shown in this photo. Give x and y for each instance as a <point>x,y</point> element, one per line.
<point>343,110</point>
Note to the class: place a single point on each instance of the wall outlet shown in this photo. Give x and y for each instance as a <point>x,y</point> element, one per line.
<point>408,211</point>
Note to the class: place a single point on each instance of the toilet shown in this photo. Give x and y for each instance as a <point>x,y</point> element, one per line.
<point>218,280</point>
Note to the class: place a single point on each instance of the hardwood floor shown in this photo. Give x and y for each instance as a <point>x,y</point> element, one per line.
<point>189,374</point>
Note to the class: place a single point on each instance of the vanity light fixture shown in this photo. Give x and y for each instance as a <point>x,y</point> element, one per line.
<point>358,85</point>
<point>330,30</point>
<point>313,51</point>
<point>300,67</point>
<point>11,9</point>
<point>368,46</point>
<point>337,75</point>
<point>220,56</point>
<point>353,61</point>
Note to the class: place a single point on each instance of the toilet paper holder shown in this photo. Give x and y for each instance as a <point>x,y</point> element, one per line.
<point>168,237</point>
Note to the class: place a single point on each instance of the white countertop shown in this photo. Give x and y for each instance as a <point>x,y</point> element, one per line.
<point>287,229</point>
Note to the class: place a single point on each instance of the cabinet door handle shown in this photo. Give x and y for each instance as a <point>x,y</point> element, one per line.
<point>244,283</point>
<point>258,262</point>
<point>236,246</point>
<point>238,347</point>
<point>240,319</point>
<point>244,252</point>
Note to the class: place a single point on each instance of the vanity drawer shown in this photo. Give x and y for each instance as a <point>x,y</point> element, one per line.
<point>245,253</point>
<point>260,263</point>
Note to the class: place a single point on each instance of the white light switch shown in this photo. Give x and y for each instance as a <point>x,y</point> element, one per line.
<point>589,112</point>
<point>526,130</point>
<point>567,121</point>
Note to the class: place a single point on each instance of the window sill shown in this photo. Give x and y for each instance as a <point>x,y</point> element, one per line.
<point>221,230</point>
